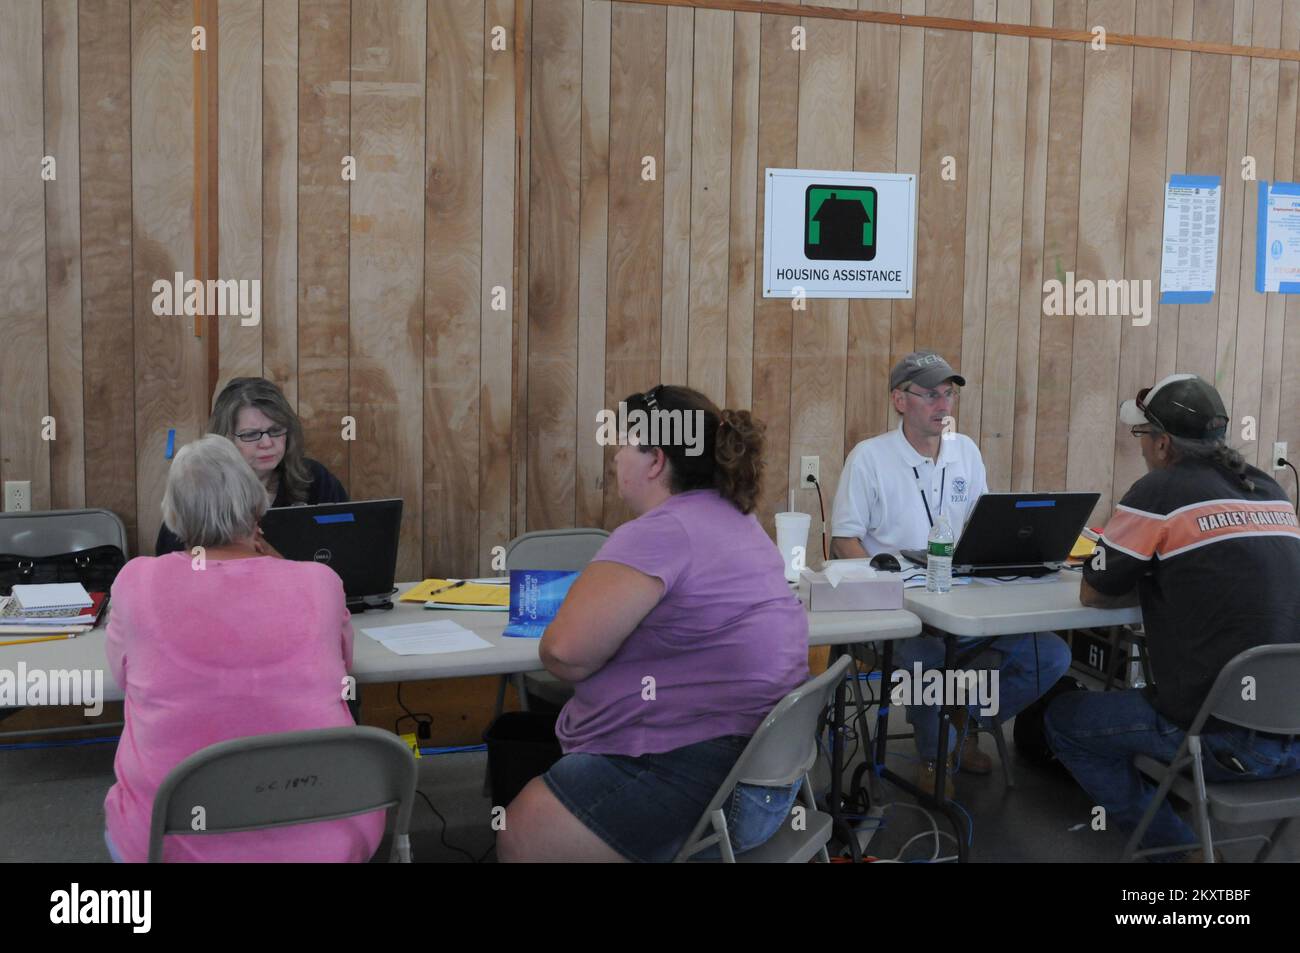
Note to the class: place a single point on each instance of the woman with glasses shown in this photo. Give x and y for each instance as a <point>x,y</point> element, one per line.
<point>679,637</point>
<point>254,414</point>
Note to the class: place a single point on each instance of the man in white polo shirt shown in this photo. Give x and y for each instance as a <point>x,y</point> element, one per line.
<point>892,489</point>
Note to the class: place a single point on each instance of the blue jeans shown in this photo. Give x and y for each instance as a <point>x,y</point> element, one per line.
<point>1096,735</point>
<point>1029,665</point>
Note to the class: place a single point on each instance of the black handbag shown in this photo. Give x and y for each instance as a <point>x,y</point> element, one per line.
<point>94,568</point>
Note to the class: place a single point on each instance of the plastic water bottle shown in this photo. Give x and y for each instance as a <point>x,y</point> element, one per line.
<point>938,564</point>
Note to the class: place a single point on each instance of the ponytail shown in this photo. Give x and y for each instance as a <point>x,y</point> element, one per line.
<point>729,455</point>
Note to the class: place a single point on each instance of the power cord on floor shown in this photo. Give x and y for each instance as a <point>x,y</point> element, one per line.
<point>423,720</point>
<point>442,834</point>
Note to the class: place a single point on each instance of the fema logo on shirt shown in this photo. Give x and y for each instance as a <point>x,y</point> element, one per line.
<point>959,490</point>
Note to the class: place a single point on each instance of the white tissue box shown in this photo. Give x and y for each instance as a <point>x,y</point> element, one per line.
<point>883,592</point>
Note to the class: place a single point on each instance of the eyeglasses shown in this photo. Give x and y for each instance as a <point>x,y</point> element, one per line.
<point>253,436</point>
<point>934,396</point>
<point>1137,432</point>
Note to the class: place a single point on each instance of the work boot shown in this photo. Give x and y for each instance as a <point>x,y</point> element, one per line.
<point>970,759</point>
<point>927,774</point>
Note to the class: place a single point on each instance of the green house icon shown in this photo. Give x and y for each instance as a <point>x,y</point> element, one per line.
<point>839,223</point>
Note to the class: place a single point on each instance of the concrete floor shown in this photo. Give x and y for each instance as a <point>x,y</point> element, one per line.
<point>51,809</point>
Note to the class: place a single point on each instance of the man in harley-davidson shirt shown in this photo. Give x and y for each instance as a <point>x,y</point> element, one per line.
<point>1210,548</point>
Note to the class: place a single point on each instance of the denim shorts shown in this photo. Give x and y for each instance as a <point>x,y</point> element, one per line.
<point>646,807</point>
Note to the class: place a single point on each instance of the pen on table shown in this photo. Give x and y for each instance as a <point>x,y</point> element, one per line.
<point>41,638</point>
<point>454,585</point>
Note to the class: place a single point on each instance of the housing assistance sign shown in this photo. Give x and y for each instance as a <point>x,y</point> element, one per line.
<point>839,234</point>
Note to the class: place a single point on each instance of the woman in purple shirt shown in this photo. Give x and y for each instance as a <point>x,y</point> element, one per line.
<point>680,637</point>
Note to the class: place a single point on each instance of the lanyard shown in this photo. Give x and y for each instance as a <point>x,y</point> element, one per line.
<point>943,475</point>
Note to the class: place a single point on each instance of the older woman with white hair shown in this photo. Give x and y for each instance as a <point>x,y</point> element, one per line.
<point>228,643</point>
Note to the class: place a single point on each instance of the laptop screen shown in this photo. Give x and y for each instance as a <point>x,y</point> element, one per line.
<point>357,540</point>
<point>1023,529</point>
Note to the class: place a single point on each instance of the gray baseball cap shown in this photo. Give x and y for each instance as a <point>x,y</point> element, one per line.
<point>925,368</point>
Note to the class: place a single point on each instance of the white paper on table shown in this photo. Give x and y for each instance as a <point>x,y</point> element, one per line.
<point>427,638</point>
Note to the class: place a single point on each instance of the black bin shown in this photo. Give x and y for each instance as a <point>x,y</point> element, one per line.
<point>520,746</point>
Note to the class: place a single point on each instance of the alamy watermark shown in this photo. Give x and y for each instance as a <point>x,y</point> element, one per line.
<point>954,687</point>
<point>220,297</point>
<point>651,427</point>
<point>24,687</point>
<point>1085,297</point>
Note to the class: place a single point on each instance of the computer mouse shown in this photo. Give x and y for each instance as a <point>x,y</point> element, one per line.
<point>886,562</point>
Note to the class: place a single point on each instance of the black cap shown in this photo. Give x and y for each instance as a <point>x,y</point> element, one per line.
<point>1183,405</point>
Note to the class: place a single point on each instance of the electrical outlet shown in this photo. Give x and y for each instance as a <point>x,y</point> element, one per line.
<point>1279,450</point>
<point>18,496</point>
<point>809,467</point>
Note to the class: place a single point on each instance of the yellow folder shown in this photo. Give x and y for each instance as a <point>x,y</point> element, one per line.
<point>470,594</point>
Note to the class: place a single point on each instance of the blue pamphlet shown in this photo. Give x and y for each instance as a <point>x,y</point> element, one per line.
<point>535,597</point>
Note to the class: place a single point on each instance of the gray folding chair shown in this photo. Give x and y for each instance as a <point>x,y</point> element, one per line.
<point>563,550</point>
<point>295,777</point>
<point>52,532</point>
<point>1275,709</point>
<point>780,753</point>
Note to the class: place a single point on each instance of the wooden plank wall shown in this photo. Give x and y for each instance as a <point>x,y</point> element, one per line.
<point>473,335</point>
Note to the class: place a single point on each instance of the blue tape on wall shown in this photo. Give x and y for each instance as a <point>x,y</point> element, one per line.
<point>336,518</point>
<point>1195,181</point>
<point>1261,235</point>
<point>171,445</point>
<point>1186,297</point>
<point>1286,188</point>
<point>1026,504</point>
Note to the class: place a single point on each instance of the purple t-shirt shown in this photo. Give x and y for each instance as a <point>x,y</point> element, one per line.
<point>727,641</point>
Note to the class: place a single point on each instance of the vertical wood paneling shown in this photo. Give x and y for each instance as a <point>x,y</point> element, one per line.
<point>593,251</point>
<point>63,257</point>
<point>1103,164</point>
<point>170,362</point>
<point>1180,89</point>
<point>453,197</point>
<point>1144,232</point>
<point>706,356</point>
<point>1006,208</point>
<point>1060,244</point>
<point>280,196</point>
<point>324,137</point>
<point>978,183</point>
<point>911,89</point>
<point>495,357</point>
<point>104,104</point>
<point>387,261</point>
<point>1037,119</point>
<point>1236,243</point>
<point>1273,414</point>
<point>239,167</point>
<point>778,95</point>
<point>1207,149</point>
<point>741,241</point>
<point>941,216</point>
<point>24,356</point>
<point>875,149</point>
<point>679,82</point>
<point>636,129</point>
<point>820,334</point>
<point>1261,142</point>
<point>521,14</point>
<point>553,263</point>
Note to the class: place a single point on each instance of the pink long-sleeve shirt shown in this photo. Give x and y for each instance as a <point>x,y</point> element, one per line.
<point>241,647</point>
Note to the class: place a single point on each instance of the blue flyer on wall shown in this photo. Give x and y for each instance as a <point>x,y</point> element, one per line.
<point>535,597</point>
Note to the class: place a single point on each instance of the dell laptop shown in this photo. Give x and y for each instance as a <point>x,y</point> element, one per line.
<point>357,540</point>
<point>1018,534</point>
